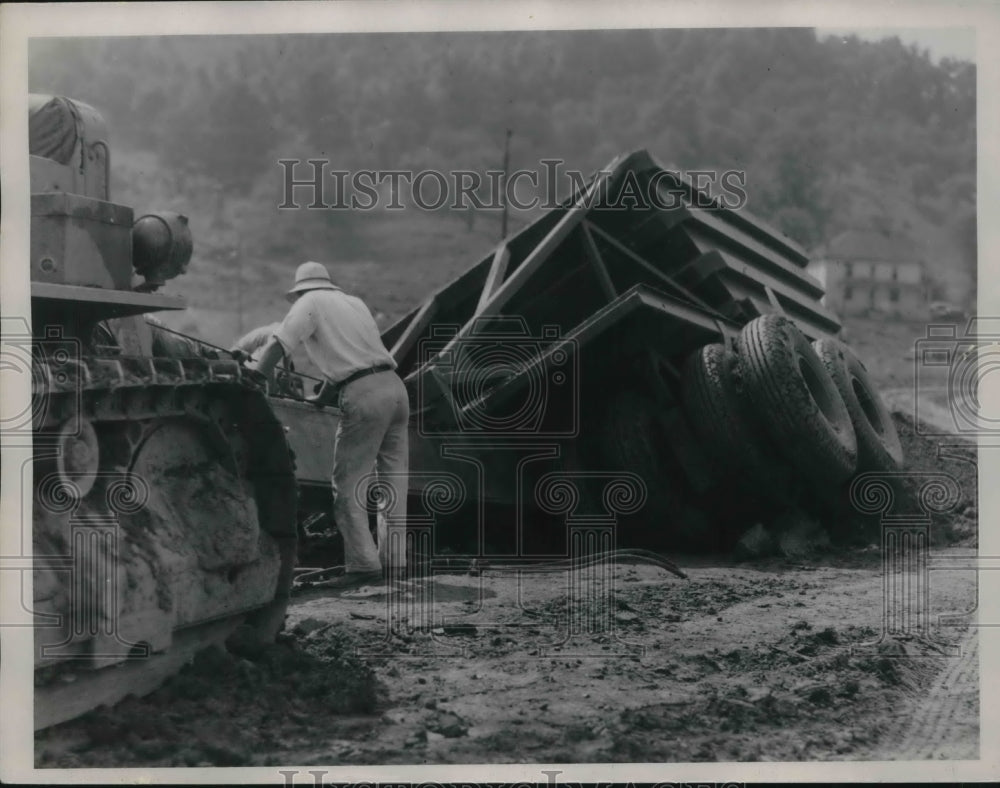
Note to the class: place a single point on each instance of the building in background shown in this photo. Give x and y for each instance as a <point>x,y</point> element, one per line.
<point>867,272</point>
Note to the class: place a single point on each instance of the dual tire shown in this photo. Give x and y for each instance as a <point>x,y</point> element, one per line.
<point>779,410</point>
<point>879,448</point>
<point>797,401</point>
<point>730,435</point>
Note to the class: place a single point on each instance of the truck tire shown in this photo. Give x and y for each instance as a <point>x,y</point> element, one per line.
<point>796,401</point>
<point>879,448</point>
<point>631,439</point>
<point>719,414</point>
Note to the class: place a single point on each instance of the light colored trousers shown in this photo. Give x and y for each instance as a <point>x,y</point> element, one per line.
<point>371,436</point>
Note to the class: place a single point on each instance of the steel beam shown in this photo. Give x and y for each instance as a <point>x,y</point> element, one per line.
<point>597,263</point>
<point>414,330</point>
<point>495,277</point>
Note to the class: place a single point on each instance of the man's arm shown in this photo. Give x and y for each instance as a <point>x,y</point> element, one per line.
<point>254,340</point>
<point>297,325</point>
<point>269,358</point>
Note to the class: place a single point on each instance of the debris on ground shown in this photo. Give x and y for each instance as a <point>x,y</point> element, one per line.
<point>778,662</point>
<point>224,709</point>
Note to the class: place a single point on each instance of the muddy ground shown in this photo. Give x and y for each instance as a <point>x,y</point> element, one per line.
<point>736,663</point>
<point>775,658</point>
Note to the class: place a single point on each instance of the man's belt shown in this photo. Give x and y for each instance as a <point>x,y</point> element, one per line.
<point>340,384</point>
<point>329,391</point>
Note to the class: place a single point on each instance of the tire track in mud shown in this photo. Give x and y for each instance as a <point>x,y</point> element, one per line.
<point>944,721</point>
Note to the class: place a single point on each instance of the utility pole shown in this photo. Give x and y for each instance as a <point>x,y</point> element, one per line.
<point>239,283</point>
<point>506,167</point>
<point>232,250</point>
<point>237,253</point>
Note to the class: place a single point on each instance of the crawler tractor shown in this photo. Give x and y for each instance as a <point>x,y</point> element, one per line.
<point>164,494</point>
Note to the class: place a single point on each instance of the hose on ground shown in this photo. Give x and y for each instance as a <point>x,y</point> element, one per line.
<point>306,576</point>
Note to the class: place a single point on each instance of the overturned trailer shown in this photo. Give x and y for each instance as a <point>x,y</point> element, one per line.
<point>644,360</point>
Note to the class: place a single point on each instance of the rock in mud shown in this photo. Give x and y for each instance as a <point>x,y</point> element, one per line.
<point>449,725</point>
<point>755,543</point>
<point>211,661</point>
<point>307,626</point>
<point>245,642</point>
<point>799,535</point>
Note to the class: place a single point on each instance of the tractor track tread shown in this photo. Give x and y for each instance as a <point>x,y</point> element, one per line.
<point>130,375</point>
<point>138,391</point>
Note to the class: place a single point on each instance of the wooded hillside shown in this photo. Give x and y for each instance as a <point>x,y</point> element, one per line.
<point>833,134</point>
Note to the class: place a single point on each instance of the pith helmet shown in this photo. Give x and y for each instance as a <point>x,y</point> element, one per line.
<point>310,276</point>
